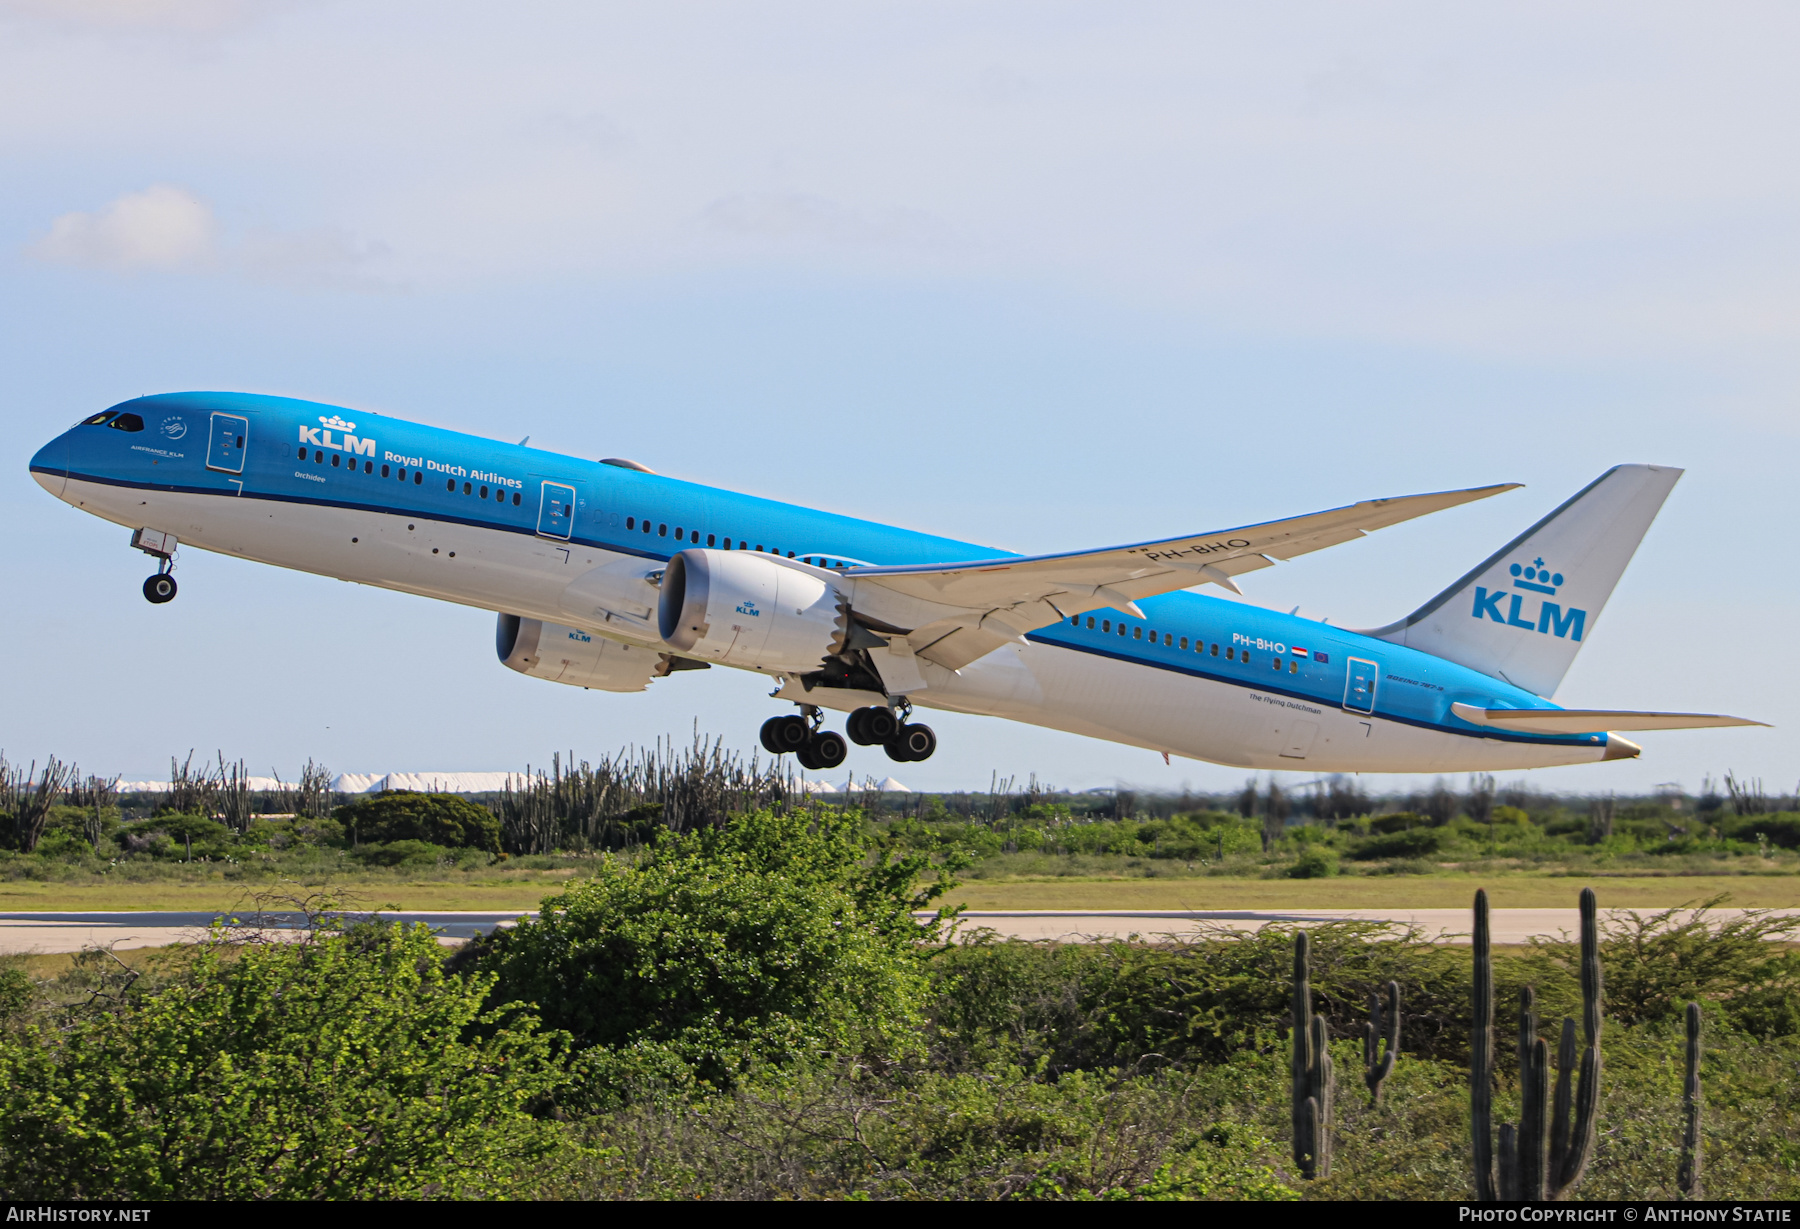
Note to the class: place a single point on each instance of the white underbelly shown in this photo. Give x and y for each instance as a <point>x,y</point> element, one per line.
<point>1222,723</point>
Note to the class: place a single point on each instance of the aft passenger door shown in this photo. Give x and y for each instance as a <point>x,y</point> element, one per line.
<point>556,511</point>
<point>1359,685</point>
<point>225,448</point>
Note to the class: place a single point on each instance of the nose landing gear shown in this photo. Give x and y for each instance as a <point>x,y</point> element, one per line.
<point>161,587</point>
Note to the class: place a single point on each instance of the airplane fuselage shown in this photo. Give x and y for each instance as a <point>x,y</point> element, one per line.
<point>507,528</point>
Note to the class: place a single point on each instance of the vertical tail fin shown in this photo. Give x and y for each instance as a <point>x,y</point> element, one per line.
<point>1524,612</point>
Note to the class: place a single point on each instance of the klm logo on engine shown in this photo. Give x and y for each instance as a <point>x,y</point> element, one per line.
<point>748,607</point>
<point>1550,618</point>
<point>320,437</point>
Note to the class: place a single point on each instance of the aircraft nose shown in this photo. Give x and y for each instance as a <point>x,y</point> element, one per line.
<point>50,465</point>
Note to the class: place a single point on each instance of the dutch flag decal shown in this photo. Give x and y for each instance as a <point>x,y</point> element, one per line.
<point>1297,651</point>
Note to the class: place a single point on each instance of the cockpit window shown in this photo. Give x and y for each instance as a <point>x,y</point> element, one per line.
<point>102,416</point>
<point>127,422</point>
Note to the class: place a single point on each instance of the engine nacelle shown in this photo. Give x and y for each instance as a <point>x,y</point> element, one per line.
<point>570,655</point>
<point>741,608</point>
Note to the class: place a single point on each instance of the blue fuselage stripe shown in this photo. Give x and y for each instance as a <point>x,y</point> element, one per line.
<point>1413,688</point>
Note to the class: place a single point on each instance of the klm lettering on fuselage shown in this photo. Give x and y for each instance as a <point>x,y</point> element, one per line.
<point>1549,618</point>
<point>320,437</point>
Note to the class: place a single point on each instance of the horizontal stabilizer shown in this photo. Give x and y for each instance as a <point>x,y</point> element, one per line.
<point>1589,720</point>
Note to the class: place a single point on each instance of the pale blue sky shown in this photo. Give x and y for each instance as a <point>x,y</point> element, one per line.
<point>1041,275</point>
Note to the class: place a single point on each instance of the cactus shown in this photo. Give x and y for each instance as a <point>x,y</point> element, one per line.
<point>1547,1152</point>
<point>1377,1066</point>
<point>1688,1177</point>
<point>1311,1069</point>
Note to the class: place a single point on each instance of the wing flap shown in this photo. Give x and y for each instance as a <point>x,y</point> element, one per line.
<point>1590,720</point>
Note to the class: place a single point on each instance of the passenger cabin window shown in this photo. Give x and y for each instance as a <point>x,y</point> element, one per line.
<point>467,488</point>
<point>678,534</point>
<point>1106,625</point>
<point>1293,667</point>
<point>1090,623</point>
<point>484,492</point>
<point>385,472</point>
<point>418,477</point>
<point>336,460</point>
<point>1137,633</point>
<point>1184,642</point>
<point>662,531</point>
<point>631,522</point>
<point>1230,654</point>
<point>709,539</point>
<point>516,502</point>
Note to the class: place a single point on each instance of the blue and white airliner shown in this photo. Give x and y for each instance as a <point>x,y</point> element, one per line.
<point>607,575</point>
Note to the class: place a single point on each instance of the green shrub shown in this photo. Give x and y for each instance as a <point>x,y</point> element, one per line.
<point>436,819</point>
<point>1415,843</point>
<point>1315,862</point>
<point>1656,963</point>
<point>400,853</point>
<point>1782,829</point>
<point>778,936</point>
<point>342,1068</point>
<point>63,843</point>
<point>1104,1005</point>
<point>1400,821</point>
<point>178,836</point>
<point>847,1133</point>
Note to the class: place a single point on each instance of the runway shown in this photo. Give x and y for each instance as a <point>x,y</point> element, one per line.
<point>70,932</point>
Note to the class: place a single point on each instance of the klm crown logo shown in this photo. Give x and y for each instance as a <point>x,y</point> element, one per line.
<point>321,437</point>
<point>1551,619</point>
<point>1536,577</point>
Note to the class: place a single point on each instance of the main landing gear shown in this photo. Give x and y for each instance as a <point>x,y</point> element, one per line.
<point>815,748</point>
<point>159,588</point>
<point>818,748</point>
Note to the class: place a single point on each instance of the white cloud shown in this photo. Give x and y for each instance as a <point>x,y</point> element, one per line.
<point>162,227</point>
<point>168,229</point>
<point>177,16</point>
<point>796,215</point>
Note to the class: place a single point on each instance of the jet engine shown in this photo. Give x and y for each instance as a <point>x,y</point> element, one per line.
<point>570,655</point>
<point>741,608</point>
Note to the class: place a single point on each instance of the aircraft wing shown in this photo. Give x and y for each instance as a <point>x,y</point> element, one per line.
<point>998,600</point>
<point>1589,720</point>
